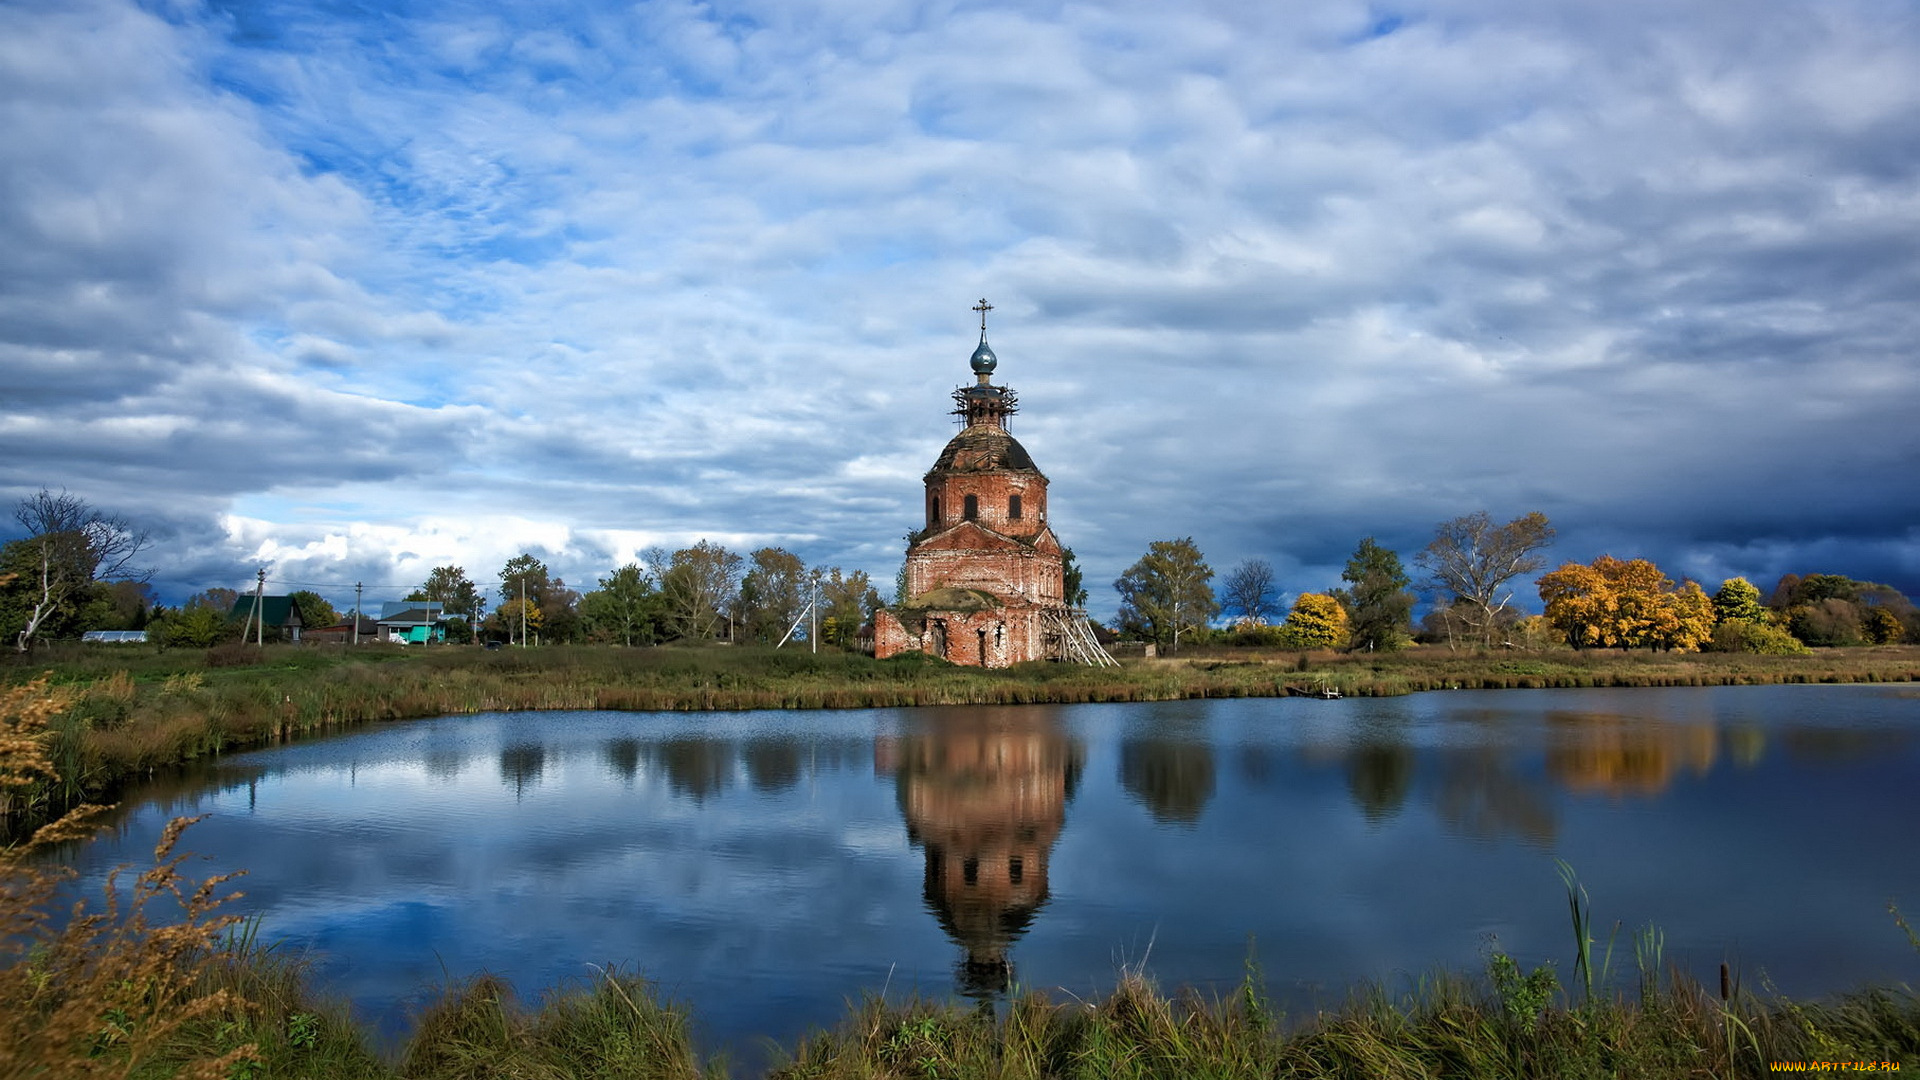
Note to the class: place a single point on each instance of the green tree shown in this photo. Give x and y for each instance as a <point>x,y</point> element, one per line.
<point>1247,591</point>
<point>1473,561</point>
<point>194,626</point>
<point>1165,593</point>
<point>772,594</point>
<point>1737,600</point>
<point>846,603</point>
<point>449,587</point>
<point>1317,621</point>
<point>525,582</point>
<point>49,575</point>
<point>121,605</point>
<point>625,608</point>
<point>701,585</point>
<point>219,599</point>
<point>1379,607</point>
<point>315,611</point>
<point>1072,579</point>
<point>1829,621</point>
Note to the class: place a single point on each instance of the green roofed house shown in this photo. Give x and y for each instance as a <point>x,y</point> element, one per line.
<point>413,622</point>
<point>277,613</point>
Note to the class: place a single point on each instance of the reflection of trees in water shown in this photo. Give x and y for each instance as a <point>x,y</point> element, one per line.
<point>622,756</point>
<point>1829,746</point>
<point>700,767</point>
<point>1379,777</point>
<point>1481,796</point>
<point>1625,755</point>
<point>772,764</point>
<point>1255,764</point>
<point>696,766</point>
<point>520,766</point>
<point>984,795</point>
<point>1172,777</point>
<point>442,762</point>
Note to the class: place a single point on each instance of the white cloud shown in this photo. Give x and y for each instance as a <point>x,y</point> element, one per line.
<point>656,273</point>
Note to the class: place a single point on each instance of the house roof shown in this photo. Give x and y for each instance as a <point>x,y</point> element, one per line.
<point>392,608</point>
<point>421,615</point>
<point>275,610</point>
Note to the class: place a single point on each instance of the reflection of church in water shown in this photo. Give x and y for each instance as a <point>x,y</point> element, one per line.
<point>984,793</point>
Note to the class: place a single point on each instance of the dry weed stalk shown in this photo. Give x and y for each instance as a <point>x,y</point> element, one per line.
<point>109,991</point>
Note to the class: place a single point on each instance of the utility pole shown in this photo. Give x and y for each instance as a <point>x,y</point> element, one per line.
<point>260,607</point>
<point>523,611</point>
<point>356,612</point>
<point>813,613</point>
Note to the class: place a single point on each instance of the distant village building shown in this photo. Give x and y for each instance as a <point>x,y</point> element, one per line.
<point>985,578</point>
<point>278,613</point>
<point>415,622</point>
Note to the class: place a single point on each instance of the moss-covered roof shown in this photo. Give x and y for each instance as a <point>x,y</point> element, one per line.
<point>983,448</point>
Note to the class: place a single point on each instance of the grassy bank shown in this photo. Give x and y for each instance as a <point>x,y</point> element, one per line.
<point>225,1008</point>
<point>131,711</point>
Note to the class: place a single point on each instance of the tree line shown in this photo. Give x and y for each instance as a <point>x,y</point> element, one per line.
<point>1470,570</point>
<point>76,570</point>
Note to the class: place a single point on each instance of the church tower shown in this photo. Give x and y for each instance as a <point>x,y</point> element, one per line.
<point>985,577</point>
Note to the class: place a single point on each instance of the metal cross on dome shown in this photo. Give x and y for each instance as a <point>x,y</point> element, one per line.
<point>983,307</point>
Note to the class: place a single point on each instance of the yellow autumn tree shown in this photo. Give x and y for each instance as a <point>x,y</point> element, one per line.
<point>1580,605</point>
<point>1625,603</point>
<point>1317,621</point>
<point>1692,618</point>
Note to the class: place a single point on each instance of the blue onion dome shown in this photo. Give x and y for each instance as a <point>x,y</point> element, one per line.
<point>983,359</point>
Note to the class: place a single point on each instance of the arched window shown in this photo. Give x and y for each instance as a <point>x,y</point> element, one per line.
<point>933,512</point>
<point>1013,507</point>
<point>972,507</point>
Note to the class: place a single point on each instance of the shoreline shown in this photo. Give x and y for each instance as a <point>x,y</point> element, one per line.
<point>125,714</point>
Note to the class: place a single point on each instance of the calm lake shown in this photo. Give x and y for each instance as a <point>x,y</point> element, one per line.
<point>766,867</point>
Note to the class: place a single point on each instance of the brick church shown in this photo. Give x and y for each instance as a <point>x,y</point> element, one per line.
<point>985,577</point>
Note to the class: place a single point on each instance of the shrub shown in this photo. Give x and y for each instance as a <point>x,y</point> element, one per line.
<point>1732,637</point>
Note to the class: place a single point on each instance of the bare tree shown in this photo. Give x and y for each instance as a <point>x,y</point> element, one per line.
<point>1473,560</point>
<point>1248,591</point>
<point>69,545</point>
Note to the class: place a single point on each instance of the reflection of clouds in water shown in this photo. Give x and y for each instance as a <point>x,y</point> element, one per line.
<point>873,838</point>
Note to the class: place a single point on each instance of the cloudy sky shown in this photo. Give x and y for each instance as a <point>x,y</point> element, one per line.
<point>349,290</point>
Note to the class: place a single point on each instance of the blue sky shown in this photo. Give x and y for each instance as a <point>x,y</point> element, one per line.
<point>352,290</point>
